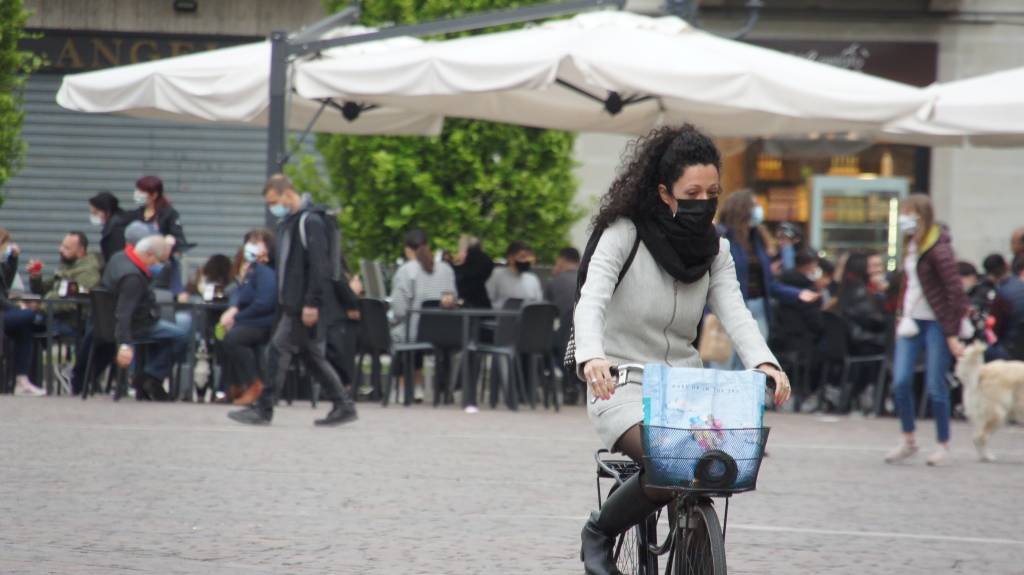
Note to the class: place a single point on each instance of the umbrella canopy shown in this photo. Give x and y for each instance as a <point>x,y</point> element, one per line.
<point>613,72</point>
<point>985,110</point>
<point>227,85</point>
<point>989,104</point>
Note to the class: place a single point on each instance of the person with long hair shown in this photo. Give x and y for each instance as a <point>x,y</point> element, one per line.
<point>666,195</point>
<point>105,212</point>
<point>860,300</point>
<point>419,279</point>
<point>741,220</point>
<point>156,210</point>
<point>862,305</point>
<point>249,322</point>
<point>932,308</point>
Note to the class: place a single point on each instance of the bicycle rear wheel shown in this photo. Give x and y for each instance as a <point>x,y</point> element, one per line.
<point>700,546</point>
<point>627,551</point>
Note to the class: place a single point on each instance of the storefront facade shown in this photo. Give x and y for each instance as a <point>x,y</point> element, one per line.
<point>968,186</point>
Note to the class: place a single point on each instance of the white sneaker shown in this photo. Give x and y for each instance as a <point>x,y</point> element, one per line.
<point>904,451</point>
<point>472,409</point>
<point>938,457</point>
<point>26,388</point>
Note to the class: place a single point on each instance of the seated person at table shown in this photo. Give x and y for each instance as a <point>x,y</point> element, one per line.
<point>137,315</point>
<point>104,354</point>
<point>78,271</point>
<point>515,280</point>
<point>249,322</point>
<point>419,280</point>
<point>212,282</point>
<point>19,322</point>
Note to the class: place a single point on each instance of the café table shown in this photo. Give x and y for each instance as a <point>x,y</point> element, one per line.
<point>200,312</point>
<point>466,315</point>
<point>48,305</point>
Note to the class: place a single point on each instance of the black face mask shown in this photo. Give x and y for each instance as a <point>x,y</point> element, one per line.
<point>523,267</point>
<point>684,244</point>
<point>694,217</point>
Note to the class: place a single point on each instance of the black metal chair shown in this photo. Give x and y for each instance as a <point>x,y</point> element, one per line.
<point>104,323</point>
<point>444,333</point>
<point>536,339</point>
<point>531,333</point>
<point>378,339</point>
<point>835,350</point>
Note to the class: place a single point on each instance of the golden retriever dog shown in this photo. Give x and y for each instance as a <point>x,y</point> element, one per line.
<point>992,393</point>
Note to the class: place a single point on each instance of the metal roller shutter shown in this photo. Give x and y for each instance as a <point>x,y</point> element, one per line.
<point>212,174</point>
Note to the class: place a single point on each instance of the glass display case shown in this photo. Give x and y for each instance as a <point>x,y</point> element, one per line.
<point>857,213</point>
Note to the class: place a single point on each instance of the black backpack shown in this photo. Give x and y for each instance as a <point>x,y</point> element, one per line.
<point>338,278</point>
<point>569,361</point>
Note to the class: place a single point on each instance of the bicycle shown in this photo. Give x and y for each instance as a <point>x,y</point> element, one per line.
<point>695,543</point>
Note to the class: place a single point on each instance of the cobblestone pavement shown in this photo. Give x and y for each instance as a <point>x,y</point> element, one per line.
<point>99,487</point>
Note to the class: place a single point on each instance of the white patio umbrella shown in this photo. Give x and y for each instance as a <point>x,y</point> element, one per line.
<point>227,85</point>
<point>613,72</point>
<point>986,110</point>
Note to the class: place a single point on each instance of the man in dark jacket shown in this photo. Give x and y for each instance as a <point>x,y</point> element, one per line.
<point>305,298</point>
<point>137,315</point>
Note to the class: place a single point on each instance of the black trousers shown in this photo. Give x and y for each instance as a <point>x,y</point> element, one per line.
<point>291,338</point>
<point>239,349</point>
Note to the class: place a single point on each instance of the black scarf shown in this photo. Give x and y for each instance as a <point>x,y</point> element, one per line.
<point>685,245</point>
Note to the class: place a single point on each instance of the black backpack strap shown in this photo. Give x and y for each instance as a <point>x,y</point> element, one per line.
<point>629,260</point>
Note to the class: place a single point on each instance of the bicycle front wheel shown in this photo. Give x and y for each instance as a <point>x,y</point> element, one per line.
<point>700,546</point>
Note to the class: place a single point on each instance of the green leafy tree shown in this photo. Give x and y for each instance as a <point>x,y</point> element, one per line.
<point>15,66</point>
<point>496,181</point>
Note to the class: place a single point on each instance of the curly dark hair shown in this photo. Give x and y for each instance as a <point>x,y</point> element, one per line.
<point>660,157</point>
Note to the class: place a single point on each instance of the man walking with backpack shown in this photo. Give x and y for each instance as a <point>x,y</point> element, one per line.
<point>305,273</point>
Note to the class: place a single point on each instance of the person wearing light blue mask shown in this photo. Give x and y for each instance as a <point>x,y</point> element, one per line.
<point>304,259</point>
<point>129,275</point>
<point>741,218</point>
<point>247,325</point>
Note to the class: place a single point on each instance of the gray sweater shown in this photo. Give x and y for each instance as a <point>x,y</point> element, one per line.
<point>410,287</point>
<point>653,318</point>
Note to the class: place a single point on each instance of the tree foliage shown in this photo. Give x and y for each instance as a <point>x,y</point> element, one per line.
<point>496,181</point>
<point>15,66</point>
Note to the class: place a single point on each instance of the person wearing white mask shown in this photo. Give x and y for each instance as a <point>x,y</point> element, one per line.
<point>741,222</point>
<point>156,210</point>
<point>105,213</point>
<point>932,311</point>
<point>247,325</point>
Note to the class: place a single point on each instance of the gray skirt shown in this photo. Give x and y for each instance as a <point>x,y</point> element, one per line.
<point>615,416</point>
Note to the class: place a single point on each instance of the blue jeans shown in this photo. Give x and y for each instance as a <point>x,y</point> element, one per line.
<point>759,310</point>
<point>172,343</point>
<point>19,325</point>
<point>937,360</point>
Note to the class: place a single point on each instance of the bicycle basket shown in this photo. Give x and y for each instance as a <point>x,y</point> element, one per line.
<point>708,460</point>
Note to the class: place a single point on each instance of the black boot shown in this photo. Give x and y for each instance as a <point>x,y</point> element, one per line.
<point>626,506</point>
<point>255,414</point>
<point>342,412</point>
<point>139,385</point>
<point>154,389</point>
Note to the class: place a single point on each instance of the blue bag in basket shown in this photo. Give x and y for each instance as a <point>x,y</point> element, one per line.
<point>690,411</point>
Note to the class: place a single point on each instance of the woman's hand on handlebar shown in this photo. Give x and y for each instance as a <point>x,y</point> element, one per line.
<point>782,388</point>
<point>599,378</point>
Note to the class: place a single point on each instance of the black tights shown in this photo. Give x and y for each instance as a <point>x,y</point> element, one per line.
<point>632,445</point>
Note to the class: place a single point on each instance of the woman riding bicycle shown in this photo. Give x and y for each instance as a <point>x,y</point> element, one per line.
<point>667,195</point>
